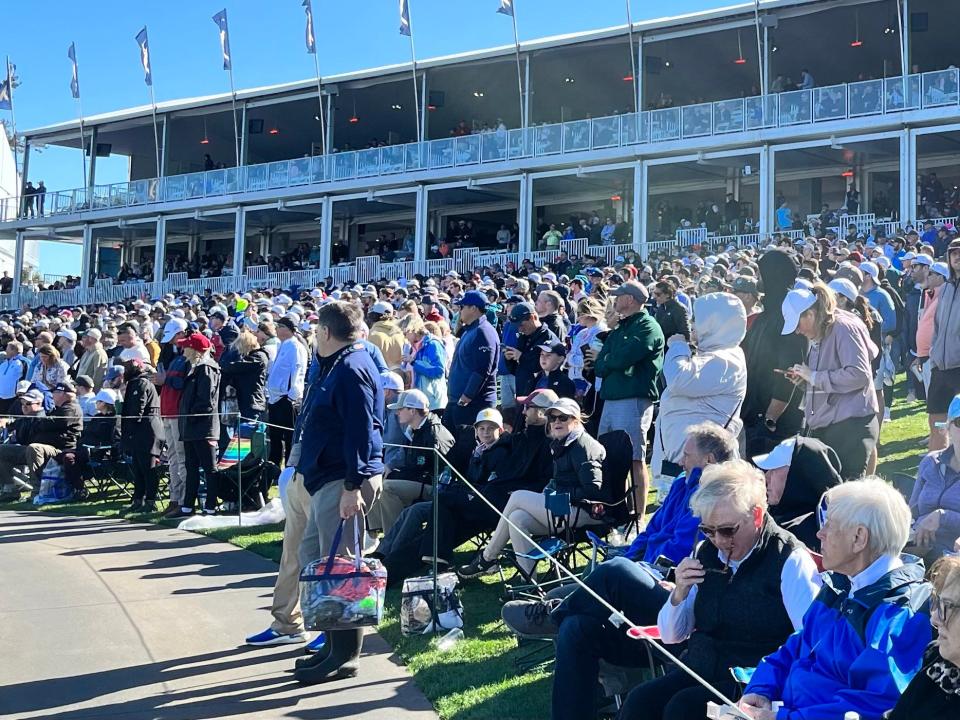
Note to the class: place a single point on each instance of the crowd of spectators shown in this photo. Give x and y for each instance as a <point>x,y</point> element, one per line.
<point>743,389</point>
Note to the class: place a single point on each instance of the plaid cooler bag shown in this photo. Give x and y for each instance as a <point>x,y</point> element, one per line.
<point>340,592</point>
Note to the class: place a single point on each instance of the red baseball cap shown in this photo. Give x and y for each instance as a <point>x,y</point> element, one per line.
<point>195,341</point>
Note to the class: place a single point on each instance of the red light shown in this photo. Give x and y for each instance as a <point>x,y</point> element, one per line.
<point>740,61</point>
<point>847,173</point>
<point>628,78</point>
<point>274,131</point>
<point>431,108</point>
<point>856,43</point>
<point>615,197</point>
<point>205,141</point>
<point>354,120</point>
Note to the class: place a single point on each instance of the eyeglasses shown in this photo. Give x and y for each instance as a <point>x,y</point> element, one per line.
<point>955,422</point>
<point>944,608</point>
<point>724,531</point>
<point>557,417</point>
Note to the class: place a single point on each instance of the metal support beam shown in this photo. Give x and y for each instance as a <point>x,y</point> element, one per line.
<point>643,210</point>
<point>767,189</point>
<point>326,232</point>
<point>239,240</point>
<point>87,260</point>
<point>639,78</point>
<point>330,111</point>
<point>244,139</point>
<point>424,89</point>
<point>160,249</point>
<point>18,268</point>
<point>526,93</point>
<point>24,176</point>
<point>908,176</point>
<point>525,214</point>
<point>92,161</point>
<point>905,64</point>
<point>164,134</point>
<point>639,192</point>
<point>420,223</point>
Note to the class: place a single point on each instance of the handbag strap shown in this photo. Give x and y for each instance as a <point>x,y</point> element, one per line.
<point>337,537</point>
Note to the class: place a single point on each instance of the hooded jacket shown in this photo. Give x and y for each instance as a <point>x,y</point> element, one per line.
<point>945,350</point>
<point>199,416</point>
<point>766,350</point>
<point>855,652</point>
<point>386,335</point>
<point>709,385</point>
<point>140,426</point>
<point>814,469</point>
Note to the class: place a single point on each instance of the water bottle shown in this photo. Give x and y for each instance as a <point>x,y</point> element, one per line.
<point>851,715</point>
<point>450,640</point>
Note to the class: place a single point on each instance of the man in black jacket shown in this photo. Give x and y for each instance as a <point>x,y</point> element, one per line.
<point>41,438</point>
<point>523,361</point>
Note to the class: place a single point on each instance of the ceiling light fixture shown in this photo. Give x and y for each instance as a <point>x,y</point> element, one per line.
<point>628,78</point>
<point>741,60</point>
<point>569,80</point>
<point>666,64</point>
<point>353,118</point>
<point>847,174</point>
<point>615,198</point>
<point>206,139</point>
<point>478,93</point>
<point>397,106</point>
<point>857,42</point>
<point>274,131</point>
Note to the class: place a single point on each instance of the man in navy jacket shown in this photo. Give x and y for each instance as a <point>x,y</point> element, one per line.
<point>472,383</point>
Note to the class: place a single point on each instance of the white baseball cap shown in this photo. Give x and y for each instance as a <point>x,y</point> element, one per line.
<point>489,415</point>
<point>107,396</point>
<point>780,456</point>
<point>412,399</point>
<point>923,259</point>
<point>871,269</point>
<point>382,308</point>
<point>795,304</point>
<point>173,326</point>
<point>941,269</point>
<point>391,381</point>
<point>844,287</point>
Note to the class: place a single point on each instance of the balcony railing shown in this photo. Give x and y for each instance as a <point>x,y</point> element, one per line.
<point>788,109</point>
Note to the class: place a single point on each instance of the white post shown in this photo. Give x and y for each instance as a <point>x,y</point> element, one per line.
<point>18,268</point>
<point>767,190</point>
<point>908,177</point>
<point>239,239</point>
<point>87,260</point>
<point>643,210</point>
<point>638,192</point>
<point>639,75</point>
<point>903,18</point>
<point>420,224</point>
<point>160,249</point>
<point>528,122</point>
<point>525,221</point>
<point>163,146</point>
<point>326,233</point>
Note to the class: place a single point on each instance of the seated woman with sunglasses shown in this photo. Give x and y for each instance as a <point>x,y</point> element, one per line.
<point>736,599</point>
<point>577,470</point>
<point>935,500</point>
<point>864,636</point>
<point>934,692</point>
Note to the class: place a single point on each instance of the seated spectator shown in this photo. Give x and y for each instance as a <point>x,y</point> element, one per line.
<point>934,691</point>
<point>630,582</point>
<point>798,472</point>
<point>99,437</point>
<point>552,375</point>
<point>40,438</point>
<point>736,599</point>
<point>864,636</point>
<point>935,500</point>
<point>709,385</point>
<point>412,481</point>
<point>86,398</point>
<point>577,470</point>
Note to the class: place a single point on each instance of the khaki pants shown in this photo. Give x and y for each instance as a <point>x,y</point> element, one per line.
<point>325,518</point>
<point>397,494</point>
<point>527,511</point>
<point>286,592</point>
<point>34,456</point>
<point>176,460</point>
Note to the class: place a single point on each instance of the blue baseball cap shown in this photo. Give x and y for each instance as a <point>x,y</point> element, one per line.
<point>953,412</point>
<point>474,298</point>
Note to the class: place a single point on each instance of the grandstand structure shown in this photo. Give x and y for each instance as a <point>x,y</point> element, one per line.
<point>646,125</point>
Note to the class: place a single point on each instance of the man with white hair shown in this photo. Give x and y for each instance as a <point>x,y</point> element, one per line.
<point>865,634</point>
<point>93,361</point>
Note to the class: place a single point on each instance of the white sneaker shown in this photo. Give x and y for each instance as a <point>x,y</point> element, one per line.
<point>886,414</point>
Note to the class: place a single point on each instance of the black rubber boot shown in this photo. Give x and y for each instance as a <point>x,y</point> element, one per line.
<point>341,662</point>
<point>315,659</point>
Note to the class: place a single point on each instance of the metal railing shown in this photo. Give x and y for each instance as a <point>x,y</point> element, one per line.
<point>935,89</point>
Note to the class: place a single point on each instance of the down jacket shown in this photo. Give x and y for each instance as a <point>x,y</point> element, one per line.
<point>709,385</point>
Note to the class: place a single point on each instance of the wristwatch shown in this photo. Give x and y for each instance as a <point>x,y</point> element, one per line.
<point>770,424</point>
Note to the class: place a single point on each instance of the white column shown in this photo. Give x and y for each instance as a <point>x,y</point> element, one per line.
<point>18,268</point>
<point>639,77</point>
<point>244,145</point>
<point>905,39</point>
<point>420,223</point>
<point>239,239</point>
<point>643,210</point>
<point>424,90</point>
<point>160,249</point>
<point>163,147</point>
<point>526,92</point>
<point>908,176</point>
<point>767,189</point>
<point>87,261</point>
<point>525,220</point>
<point>330,111</point>
<point>92,167</point>
<point>326,232</point>
<point>639,190</point>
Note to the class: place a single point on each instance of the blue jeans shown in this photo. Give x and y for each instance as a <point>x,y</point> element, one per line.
<point>586,636</point>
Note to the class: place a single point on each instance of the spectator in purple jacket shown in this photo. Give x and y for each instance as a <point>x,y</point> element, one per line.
<point>935,500</point>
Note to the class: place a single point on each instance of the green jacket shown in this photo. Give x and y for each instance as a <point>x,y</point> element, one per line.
<point>631,358</point>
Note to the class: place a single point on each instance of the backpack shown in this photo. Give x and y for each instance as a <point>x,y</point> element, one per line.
<point>897,305</point>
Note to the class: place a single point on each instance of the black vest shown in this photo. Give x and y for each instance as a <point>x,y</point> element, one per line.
<point>740,617</point>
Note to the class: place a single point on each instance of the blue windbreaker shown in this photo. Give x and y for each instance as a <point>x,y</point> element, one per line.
<point>853,652</point>
<point>673,529</point>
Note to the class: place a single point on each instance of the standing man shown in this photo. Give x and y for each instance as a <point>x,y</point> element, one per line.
<point>472,384</point>
<point>93,362</point>
<point>523,359</point>
<point>285,388</point>
<point>341,463</point>
<point>171,373</point>
<point>629,362</point>
<point>945,351</point>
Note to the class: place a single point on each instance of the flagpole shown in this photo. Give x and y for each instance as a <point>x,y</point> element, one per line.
<point>83,141</point>
<point>413,58</point>
<point>323,124</point>
<point>16,146</point>
<point>516,49</point>
<point>156,135</point>
<point>236,128</point>
<point>761,65</point>
<point>633,60</point>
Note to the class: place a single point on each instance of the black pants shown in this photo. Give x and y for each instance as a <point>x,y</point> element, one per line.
<point>853,440</point>
<point>199,455</point>
<point>675,696</point>
<point>145,479</point>
<point>283,413</point>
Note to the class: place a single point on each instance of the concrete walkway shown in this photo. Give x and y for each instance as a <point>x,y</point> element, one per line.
<point>100,618</point>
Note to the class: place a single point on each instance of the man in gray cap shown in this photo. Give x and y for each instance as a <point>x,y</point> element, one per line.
<point>629,363</point>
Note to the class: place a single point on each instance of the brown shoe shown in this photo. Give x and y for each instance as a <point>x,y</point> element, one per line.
<point>171,510</point>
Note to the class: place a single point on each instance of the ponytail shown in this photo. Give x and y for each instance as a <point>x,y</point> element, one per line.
<point>862,307</point>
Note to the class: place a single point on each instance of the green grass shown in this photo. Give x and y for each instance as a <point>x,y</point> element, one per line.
<point>478,678</point>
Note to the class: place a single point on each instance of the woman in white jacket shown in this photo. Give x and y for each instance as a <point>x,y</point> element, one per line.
<point>709,384</point>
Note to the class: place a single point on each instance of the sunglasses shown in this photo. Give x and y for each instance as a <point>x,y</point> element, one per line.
<point>955,422</point>
<point>945,609</point>
<point>724,531</point>
<point>556,417</point>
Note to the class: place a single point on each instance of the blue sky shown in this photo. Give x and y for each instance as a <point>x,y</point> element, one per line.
<point>267,40</point>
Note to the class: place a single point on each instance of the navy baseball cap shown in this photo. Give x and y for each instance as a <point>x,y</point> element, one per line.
<point>475,298</point>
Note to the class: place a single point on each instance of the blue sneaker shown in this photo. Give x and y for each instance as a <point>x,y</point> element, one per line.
<point>316,645</point>
<point>272,637</point>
